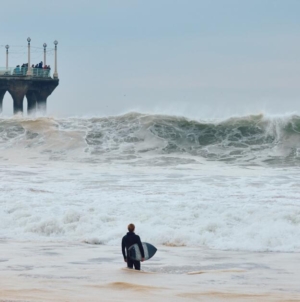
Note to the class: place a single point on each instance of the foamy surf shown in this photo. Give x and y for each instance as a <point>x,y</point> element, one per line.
<point>220,199</point>
<point>85,179</point>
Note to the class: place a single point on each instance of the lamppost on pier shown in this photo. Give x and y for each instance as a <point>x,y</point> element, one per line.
<point>35,85</point>
<point>29,66</point>
<point>45,46</point>
<point>7,47</point>
<point>55,74</point>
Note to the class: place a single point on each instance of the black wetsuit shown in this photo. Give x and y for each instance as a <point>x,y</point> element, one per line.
<point>128,240</point>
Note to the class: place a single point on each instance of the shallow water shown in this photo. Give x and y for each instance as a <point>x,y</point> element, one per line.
<point>61,271</point>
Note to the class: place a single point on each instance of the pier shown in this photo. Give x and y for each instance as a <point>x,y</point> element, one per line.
<point>37,84</point>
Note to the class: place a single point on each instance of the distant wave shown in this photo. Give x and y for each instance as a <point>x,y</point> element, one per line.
<point>254,139</point>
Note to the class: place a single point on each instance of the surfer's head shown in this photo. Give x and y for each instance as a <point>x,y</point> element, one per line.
<point>131,227</point>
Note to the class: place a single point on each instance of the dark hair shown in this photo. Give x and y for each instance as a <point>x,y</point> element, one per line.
<point>131,227</point>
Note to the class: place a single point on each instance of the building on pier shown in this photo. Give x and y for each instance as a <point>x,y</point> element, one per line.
<point>36,84</point>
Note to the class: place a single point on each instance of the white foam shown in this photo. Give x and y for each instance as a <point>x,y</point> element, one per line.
<point>232,208</point>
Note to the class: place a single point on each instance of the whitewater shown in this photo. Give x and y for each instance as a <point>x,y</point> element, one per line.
<point>230,184</point>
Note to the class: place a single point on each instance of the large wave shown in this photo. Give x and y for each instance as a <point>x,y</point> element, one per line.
<point>254,139</point>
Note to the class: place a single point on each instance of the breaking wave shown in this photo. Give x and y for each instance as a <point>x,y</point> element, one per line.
<point>250,140</point>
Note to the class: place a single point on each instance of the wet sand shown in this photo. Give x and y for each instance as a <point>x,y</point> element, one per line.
<point>64,271</point>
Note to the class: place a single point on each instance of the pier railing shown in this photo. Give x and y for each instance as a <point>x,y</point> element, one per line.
<point>22,71</point>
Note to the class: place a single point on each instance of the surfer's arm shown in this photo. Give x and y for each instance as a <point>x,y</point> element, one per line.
<point>123,249</point>
<point>141,247</point>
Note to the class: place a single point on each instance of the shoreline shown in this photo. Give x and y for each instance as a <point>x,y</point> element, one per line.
<point>58,271</point>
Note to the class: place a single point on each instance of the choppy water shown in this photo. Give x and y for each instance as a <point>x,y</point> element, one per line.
<point>247,140</point>
<point>231,184</point>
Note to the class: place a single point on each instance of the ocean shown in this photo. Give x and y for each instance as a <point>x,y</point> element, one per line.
<point>230,184</point>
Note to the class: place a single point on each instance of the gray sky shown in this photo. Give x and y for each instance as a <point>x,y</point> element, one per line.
<point>201,59</point>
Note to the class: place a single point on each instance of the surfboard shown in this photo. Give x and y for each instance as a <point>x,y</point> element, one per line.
<point>135,254</point>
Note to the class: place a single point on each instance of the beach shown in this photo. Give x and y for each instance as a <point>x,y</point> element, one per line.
<point>59,271</point>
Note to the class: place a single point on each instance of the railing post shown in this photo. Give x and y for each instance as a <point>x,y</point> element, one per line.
<point>45,45</point>
<point>55,74</point>
<point>7,47</point>
<point>29,66</point>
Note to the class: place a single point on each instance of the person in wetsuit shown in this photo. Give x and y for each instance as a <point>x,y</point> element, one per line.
<point>128,240</point>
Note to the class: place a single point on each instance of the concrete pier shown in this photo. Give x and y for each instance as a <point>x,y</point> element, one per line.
<point>36,90</point>
<point>34,82</point>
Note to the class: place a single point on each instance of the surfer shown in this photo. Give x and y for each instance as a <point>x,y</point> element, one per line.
<point>128,240</point>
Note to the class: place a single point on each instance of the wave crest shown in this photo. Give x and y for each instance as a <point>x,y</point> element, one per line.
<point>254,139</point>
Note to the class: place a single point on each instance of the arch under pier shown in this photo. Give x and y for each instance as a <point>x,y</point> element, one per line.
<point>36,89</point>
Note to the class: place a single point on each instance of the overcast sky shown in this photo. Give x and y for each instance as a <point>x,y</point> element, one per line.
<point>201,59</point>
